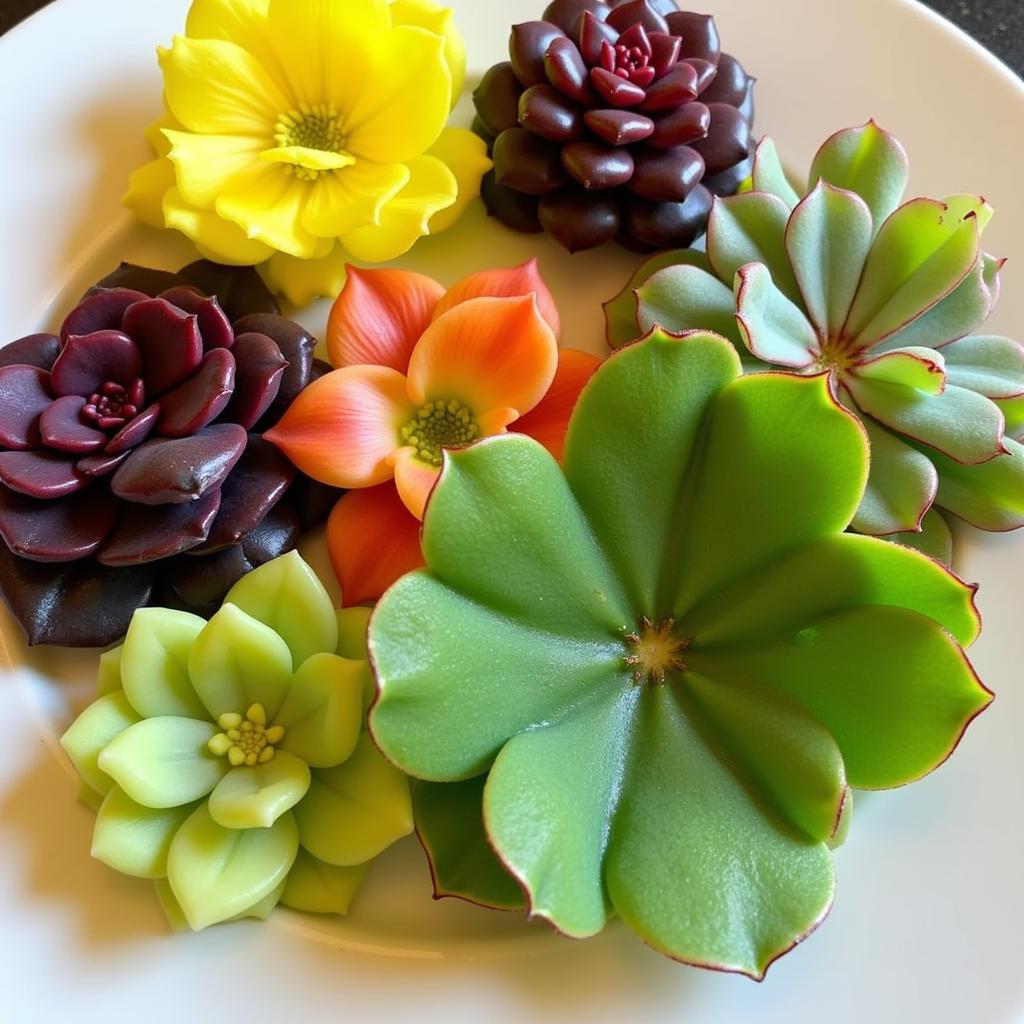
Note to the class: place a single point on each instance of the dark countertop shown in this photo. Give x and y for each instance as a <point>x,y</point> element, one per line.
<point>998,24</point>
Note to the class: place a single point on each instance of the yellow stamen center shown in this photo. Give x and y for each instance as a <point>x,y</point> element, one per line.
<point>246,741</point>
<point>440,425</point>
<point>316,127</point>
<point>655,651</point>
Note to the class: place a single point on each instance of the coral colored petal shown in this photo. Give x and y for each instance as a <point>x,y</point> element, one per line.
<point>414,479</point>
<point>522,280</point>
<point>487,353</point>
<point>373,540</point>
<point>343,427</point>
<point>379,316</point>
<point>549,420</point>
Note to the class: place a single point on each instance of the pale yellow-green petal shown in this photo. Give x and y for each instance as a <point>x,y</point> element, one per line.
<point>92,730</point>
<point>320,888</point>
<point>147,188</point>
<point>205,164</point>
<point>440,20</point>
<point>352,626</point>
<point>309,159</point>
<point>303,281</point>
<point>134,839</point>
<point>108,678</point>
<point>352,197</point>
<point>406,219</point>
<point>403,104</point>
<point>175,916</point>
<point>465,154</point>
<point>217,239</point>
<point>255,797</point>
<point>217,87</point>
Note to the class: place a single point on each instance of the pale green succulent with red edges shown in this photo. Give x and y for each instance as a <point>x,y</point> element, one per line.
<point>668,659</point>
<point>227,760</point>
<point>885,298</point>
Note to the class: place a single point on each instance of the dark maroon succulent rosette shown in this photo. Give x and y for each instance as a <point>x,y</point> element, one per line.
<point>615,119</point>
<point>132,462</point>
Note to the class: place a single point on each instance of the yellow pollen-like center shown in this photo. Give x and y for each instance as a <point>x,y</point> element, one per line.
<point>246,740</point>
<point>655,651</point>
<point>316,126</point>
<point>440,425</point>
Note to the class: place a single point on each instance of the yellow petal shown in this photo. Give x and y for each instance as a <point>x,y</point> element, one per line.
<point>267,203</point>
<point>155,134</point>
<point>341,201</point>
<point>441,21</point>
<point>407,218</point>
<point>322,42</point>
<point>146,190</point>
<point>217,239</point>
<point>238,21</point>
<point>206,163</point>
<point>466,157</point>
<point>303,281</point>
<point>403,103</point>
<point>217,87</point>
<point>311,159</point>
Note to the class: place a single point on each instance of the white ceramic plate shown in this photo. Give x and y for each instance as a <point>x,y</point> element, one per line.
<point>926,926</point>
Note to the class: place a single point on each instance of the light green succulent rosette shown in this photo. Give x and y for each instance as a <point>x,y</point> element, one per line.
<point>886,297</point>
<point>228,760</point>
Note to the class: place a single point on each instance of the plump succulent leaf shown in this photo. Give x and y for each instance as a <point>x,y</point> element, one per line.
<point>768,174</point>
<point>108,678</point>
<point>919,368</point>
<point>989,496</point>
<point>934,539</point>
<point>990,365</point>
<point>681,295</point>
<point>256,796</point>
<point>773,327</point>
<point>320,888</point>
<point>134,839</point>
<point>95,727</point>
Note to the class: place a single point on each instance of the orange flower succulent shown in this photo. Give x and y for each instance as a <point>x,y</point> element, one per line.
<point>420,369</point>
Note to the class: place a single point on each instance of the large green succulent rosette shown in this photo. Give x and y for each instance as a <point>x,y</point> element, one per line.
<point>887,299</point>
<point>228,761</point>
<point>668,659</point>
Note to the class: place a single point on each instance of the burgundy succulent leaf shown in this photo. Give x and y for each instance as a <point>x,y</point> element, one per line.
<point>604,111</point>
<point>131,445</point>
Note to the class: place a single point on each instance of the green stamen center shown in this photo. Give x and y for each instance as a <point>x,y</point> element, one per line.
<point>312,126</point>
<point>654,651</point>
<point>440,425</point>
<point>246,740</point>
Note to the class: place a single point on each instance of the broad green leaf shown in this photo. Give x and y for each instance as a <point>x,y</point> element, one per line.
<point>902,484</point>
<point>548,803</point>
<point>892,687</point>
<point>685,298</point>
<point>319,888</point>
<point>696,865</point>
<point>964,310</point>
<point>237,661</point>
<point>445,733</point>
<point>845,819</point>
<point>256,796</point>
<point>504,504</point>
<point>797,465</point>
<point>134,839</point>
<point>164,762</point>
<point>769,175</point>
<point>286,595</point>
<point>357,810</point>
<point>450,825</point>
<point>171,908</point>
<point>964,204</point>
<point>868,161</point>
<point>787,756</point>
<point>833,575</point>
<point>323,711</point>
<point>989,496</point>
<point>620,312</point>
<point>629,447</point>
<point>218,873</point>
<point>991,365</point>
<point>773,327</point>
<point>108,679</point>
<point>934,539</point>
<point>92,730</point>
<point>920,256</point>
<point>1013,412</point>
<point>959,423</point>
<point>827,240</point>
<point>921,368</point>
<point>751,228</point>
<point>154,663</point>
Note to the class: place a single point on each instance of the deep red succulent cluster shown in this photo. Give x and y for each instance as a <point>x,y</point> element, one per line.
<point>135,437</point>
<point>615,119</point>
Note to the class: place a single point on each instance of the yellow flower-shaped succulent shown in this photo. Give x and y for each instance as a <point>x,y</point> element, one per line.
<point>303,132</point>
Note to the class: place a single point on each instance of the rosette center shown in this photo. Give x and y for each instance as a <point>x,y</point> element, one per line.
<point>246,740</point>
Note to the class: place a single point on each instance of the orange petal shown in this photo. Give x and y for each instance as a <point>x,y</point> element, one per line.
<point>372,540</point>
<point>549,420</point>
<point>522,280</point>
<point>343,427</point>
<point>379,316</point>
<point>487,354</point>
<point>414,479</point>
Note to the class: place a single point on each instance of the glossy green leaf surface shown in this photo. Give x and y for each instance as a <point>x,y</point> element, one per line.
<point>742,595</point>
<point>255,797</point>
<point>94,728</point>
<point>320,888</point>
<point>154,663</point>
<point>134,839</point>
<point>919,368</point>
<point>108,678</point>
